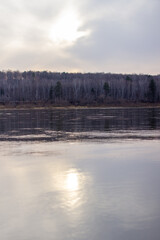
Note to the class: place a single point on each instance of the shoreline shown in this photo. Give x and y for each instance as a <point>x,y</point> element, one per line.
<point>34,106</point>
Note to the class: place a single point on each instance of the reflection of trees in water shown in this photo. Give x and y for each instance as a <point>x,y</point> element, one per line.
<point>25,122</point>
<point>106,125</point>
<point>51,120</point>
<point>59,122</point>
<point>2,126</point>
<point>152,119</point>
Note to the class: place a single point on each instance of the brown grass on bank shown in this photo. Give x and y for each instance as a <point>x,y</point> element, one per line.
<point>62,106</point>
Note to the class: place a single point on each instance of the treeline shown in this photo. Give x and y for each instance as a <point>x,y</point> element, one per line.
<point>77,88</point>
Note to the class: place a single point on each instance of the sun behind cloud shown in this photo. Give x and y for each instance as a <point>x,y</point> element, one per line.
<point>66,28</point>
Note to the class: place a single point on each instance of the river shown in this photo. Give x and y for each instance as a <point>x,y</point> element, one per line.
<point>80,174</point>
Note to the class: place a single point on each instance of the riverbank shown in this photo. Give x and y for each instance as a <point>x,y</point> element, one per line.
<point>60,106</point>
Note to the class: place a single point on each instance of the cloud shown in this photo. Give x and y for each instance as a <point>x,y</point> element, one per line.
<point>122,35</point>
<point>124,39</point>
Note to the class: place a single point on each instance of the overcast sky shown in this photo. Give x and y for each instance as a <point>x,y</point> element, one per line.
<point>118,36</point>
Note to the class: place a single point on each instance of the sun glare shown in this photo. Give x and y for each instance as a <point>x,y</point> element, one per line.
<point>65,29</point>
<point>72,181</point>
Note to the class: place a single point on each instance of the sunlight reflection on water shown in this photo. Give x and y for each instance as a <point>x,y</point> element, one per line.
<point>83,189</point>
<point>79,190</point>
<point>72,181</point>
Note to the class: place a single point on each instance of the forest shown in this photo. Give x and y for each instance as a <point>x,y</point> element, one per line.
<point>43,87</point>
